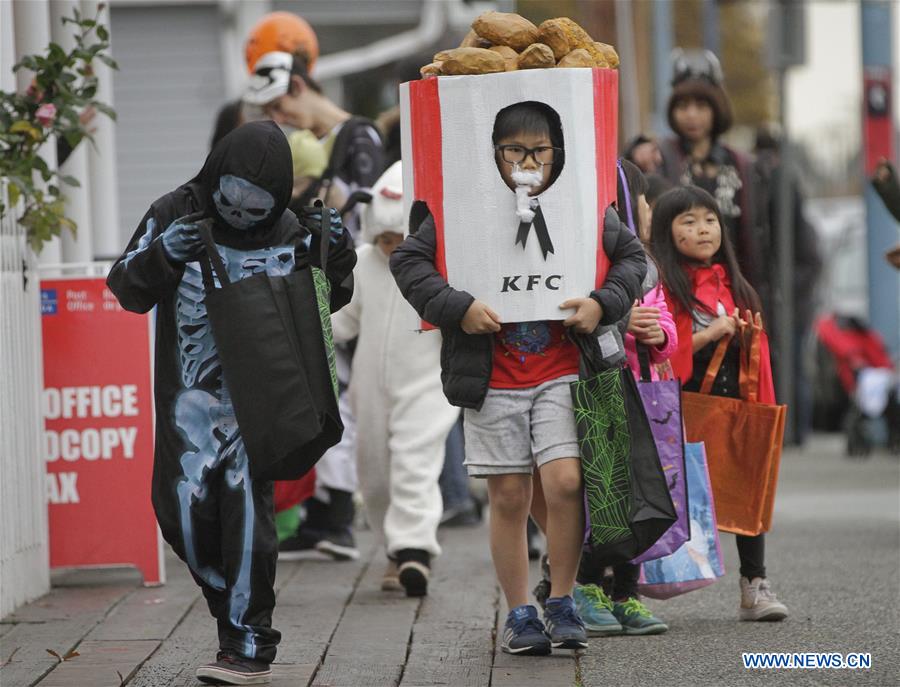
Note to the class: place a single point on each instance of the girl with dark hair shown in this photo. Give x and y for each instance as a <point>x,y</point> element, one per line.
<point>614,607</point>
<point>699,113</point>
<point>710,298</point>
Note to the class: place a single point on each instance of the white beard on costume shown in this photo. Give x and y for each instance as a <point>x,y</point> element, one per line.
<point>526,181</point>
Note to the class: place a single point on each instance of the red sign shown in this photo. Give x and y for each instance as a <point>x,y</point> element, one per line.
<point>98,411</point>
<point>878,124</point>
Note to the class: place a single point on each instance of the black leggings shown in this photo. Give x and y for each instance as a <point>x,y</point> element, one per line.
<point>625,576</point>
<point>752,553</point>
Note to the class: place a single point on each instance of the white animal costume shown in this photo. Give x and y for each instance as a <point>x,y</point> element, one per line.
<point>403,417</point>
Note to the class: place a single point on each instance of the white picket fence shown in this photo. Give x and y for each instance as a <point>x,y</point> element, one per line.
<point>24,562</point>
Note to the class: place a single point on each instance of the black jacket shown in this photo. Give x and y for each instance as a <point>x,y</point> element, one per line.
<point>744,210</point>
<point>467,359</point>
<point>188,372</point>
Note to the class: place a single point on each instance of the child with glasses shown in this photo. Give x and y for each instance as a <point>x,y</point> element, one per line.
<point>513,380</point>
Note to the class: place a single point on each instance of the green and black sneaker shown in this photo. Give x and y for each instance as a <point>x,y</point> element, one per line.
<point>636,618</point>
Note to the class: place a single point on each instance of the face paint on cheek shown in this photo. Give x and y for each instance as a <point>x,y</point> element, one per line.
<point>242,204</point>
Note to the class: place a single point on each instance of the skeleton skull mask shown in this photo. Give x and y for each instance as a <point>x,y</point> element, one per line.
<point>242,204</point>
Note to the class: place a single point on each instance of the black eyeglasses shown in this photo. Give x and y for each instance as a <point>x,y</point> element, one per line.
<point>515,154</point>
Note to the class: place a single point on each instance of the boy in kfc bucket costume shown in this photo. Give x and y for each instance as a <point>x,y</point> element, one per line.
<point>512,376</point>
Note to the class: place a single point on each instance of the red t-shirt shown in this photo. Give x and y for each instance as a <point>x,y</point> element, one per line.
<point>530,353</point>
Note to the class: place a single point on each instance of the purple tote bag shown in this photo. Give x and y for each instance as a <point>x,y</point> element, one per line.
<point>662,403</point>
<point>698,563</point>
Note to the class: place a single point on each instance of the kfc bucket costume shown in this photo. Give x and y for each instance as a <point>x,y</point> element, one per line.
<point>483,247</point>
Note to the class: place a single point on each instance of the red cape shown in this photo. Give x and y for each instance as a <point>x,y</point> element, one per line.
<point>683,358</point>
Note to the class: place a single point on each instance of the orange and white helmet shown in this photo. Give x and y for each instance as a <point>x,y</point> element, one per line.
<point>281,32</point>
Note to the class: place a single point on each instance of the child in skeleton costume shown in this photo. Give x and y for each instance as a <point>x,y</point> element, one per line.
<point>216,517</point>
<point>396,396</point>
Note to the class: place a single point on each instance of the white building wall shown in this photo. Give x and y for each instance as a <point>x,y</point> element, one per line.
<point>167,93</point>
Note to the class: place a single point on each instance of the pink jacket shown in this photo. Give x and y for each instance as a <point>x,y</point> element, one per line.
<point>658,354</point>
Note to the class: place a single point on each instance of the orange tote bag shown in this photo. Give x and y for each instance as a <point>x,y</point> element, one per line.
<point>743,441</point>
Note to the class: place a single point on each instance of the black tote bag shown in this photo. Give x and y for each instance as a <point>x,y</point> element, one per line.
<point>273,334</point>
<point>628,502</point>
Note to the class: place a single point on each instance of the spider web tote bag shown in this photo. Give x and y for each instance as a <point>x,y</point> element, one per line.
<point>273,335</point>
<point>743,441</point>
<point>628,503</point>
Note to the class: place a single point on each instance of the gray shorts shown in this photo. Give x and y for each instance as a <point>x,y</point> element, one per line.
<point>518,429</point>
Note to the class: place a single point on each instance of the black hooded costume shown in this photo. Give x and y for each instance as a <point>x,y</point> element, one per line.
<point>218,519</point>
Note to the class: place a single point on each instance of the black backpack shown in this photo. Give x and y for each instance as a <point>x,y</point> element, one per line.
<point>340,153</point>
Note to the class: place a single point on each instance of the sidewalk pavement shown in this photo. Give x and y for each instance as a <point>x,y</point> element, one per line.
<point>832,556</point>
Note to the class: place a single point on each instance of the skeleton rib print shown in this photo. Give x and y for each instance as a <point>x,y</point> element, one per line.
<point>204,415</point>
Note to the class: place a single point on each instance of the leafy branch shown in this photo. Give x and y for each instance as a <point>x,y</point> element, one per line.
<point>57,106</point>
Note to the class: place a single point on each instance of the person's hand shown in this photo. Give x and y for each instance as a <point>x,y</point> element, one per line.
<point>181,240</point>
<point>893,256</point>
<point>480,319</point>
<point>750,322</point>
<point>588,313</point>
<point>883,171</point>
<point>726,325</point>
<point>656,337</point>
<point>643,325</point>
<point>312,217</point>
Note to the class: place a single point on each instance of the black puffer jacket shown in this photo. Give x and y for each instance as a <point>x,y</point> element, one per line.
<point>467,359</point>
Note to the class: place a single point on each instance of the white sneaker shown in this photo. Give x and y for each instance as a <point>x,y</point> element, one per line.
<point>758,601</point>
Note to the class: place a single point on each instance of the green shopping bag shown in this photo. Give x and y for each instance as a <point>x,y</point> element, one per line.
<point>628,502</point>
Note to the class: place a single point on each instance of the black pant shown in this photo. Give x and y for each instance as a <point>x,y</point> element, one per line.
<point>624,581</point>
<point>752,553</point>
<point>221,523</point>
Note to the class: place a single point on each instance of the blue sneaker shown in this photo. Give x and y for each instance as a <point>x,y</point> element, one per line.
<point>524,633</point>
<point>565,627</point>
<point>595,609</point>
<point>636,618</point>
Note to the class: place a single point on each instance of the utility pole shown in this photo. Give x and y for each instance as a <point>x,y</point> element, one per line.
<point>711,26</point>
<point>630,125</point>
<point>662,64</point>
<point>878,141</point>
<point>786,49</point>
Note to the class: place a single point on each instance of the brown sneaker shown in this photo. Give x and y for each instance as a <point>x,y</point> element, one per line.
<point>231,669</point>
<point>390,582</point>
<point>758,601</point>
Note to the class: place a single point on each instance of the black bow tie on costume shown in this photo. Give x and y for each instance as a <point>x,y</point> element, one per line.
<point>540,228</point>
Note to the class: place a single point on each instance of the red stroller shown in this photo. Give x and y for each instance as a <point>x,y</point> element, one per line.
<point>856,385</point>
